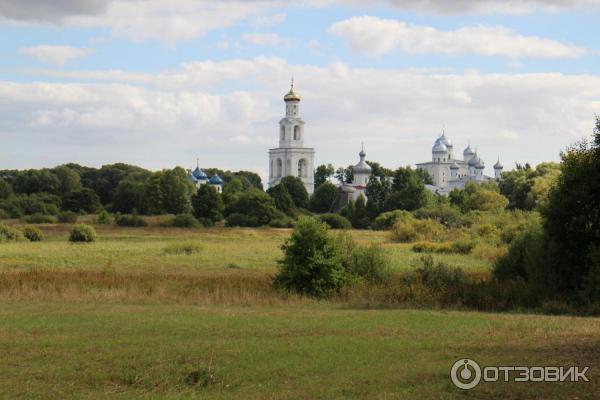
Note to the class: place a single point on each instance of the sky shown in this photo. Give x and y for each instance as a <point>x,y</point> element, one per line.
<point>162,83</point>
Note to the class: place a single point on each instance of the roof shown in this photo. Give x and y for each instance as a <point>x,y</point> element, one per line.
<point>215,180</point>
<point>439,147</point>
<point>498,165</point>
<point>362,165</point>
<point>468,151</point>
<point>199,174</point>
<point>291,95</point>
<point>454,165</point>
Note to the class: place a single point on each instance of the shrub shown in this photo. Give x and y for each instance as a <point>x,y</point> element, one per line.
<point>238,219</point>
<point>183,248</point>
<point>67,217</point>
<point>463,246</point>
<point>439,276</point>
<point>39,218</point>
<point>445,214</point>
<point>130,220</point>
<point>369,263</point>
<point>387,220</point>
<point>413,230</point>
<point>282,222</point>
<point>4,214</point>
<point>310,264</point>
<point>523,258</point>
<point>82,234</point>
<point>9,234</point>
<point>335,221</point>
<point>184,221</point>
<point>33,234</point>
<point>103,218</point>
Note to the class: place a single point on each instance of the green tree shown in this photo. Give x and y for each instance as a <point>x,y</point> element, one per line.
<point>153,201</point>
<point>5,189</point>
<point>572,221</point>
<point>311,264</point>
<point>109,176</point>
<point>256,207</point>
<point>297,190</point>
<point>361,218</point>
<point>176,191</point>
<point>323,173</point>
<point>408,191</point>
<point>69,180</point>
<point>378,190</point>
<point>281,197</point>
<point>208,204</point>
<point>323,198</point>
<point>345,175</point>
<point>486,200</point>
<point>129,196</point>
<point>81,200</point>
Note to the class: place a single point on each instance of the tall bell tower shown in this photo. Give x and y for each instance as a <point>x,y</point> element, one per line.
<point>291,158</point>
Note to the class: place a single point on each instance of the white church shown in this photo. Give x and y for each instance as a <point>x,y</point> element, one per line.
<point>450,173</point>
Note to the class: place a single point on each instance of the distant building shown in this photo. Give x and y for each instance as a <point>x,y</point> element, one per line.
<point>199,178</point>
<point>350,192</point>
<point>291,158</point>
<point>449,173</point>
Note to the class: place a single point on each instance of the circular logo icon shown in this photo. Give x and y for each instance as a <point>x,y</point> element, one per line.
<point>465,374</point>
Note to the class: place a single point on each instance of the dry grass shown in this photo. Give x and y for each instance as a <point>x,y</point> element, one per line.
<point>107,286</point>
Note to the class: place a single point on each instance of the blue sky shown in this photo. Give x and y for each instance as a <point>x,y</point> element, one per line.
<point>99,81</point>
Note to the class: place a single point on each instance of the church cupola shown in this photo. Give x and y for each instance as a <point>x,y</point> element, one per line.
<point>498,167</point>
<point>362,170</point>
<point>292,102</point>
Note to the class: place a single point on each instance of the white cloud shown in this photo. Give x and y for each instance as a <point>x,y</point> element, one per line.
<point>173,117</point>
<point>485,6</point>
<point>56,55</point>
<point>266,39</point>
<point>378,36</point>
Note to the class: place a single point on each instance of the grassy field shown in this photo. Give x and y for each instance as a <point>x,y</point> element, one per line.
<point>120,319</point>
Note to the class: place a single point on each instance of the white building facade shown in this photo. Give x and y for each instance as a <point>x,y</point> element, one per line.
<point>449,173</point>
<point>291,158</point>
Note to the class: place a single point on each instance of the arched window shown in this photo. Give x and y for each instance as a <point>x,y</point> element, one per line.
<point>296,132</point>
<point>282,133</point>
<point>279,167</point>
<point>302,168</point>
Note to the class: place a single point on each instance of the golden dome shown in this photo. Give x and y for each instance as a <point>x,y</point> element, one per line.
<point>291,95</point>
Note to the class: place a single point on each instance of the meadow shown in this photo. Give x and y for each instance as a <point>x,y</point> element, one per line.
<point>123,318</point>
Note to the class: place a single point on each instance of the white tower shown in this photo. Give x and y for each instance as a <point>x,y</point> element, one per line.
<point>291,158</point>
<point>498,167</point>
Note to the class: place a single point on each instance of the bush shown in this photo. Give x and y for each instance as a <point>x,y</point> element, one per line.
<point>413,230</point>
<point>311,264</point>
<point>184,221</point>
<point>33,234</point>
<point>9,234</point>
<point>103,218</point>
<point>369,263</point>
<point>439,276</point>
<point>335,221</point>
<point>39,219</point>
<point>67,217</point>
<point>282,222</point>
<point>445,214</point>
<point>524,257</point>
<point>184,248</point>
<point>463,246</point>
<point>388,219</point>
<point>82,234</point>
<point>238,219</point>
<point>130,220</point>
<point>4,214</point>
